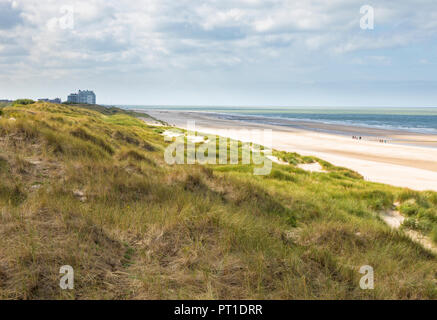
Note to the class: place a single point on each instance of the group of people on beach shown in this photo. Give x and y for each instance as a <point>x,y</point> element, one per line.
<point>361,138</point>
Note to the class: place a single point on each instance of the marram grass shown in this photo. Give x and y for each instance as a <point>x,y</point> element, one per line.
<point>90,189</point>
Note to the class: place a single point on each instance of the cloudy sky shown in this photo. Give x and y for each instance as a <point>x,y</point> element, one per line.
<point>221,52</point>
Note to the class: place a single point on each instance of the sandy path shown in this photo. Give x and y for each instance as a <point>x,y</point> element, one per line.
<point>395,220</point>
<point>409,166</point>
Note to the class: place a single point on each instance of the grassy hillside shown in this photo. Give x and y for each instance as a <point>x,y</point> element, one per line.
<point>3,104</point>
<point>91,189</point>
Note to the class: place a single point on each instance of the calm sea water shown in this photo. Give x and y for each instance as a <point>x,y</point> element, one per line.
<point>421,120</point>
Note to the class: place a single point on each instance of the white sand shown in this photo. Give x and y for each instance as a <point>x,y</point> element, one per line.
<point>423,240</point>
<point>277,160</point>
<point>408,166</point>
<point>196,139</point>
<point>172,134</point>
<point>311,167</point>
<point>395,220</point>
<point>151,122</point>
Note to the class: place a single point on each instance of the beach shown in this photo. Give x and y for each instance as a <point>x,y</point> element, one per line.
<point>399,158</point>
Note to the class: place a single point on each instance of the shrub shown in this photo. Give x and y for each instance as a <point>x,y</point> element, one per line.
<point>23,102</point>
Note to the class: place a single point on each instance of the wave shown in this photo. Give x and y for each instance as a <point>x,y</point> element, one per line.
<point>385,122</point>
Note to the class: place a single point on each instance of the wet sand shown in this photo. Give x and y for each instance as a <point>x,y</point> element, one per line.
<point>406,160</point>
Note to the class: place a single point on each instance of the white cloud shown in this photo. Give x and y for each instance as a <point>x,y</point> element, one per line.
<point>125,35</point>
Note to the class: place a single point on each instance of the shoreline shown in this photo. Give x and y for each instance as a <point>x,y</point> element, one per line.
<point>369,133</point>
<point>404,165</point>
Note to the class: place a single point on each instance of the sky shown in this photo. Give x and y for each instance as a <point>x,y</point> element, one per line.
<point>221,52</point>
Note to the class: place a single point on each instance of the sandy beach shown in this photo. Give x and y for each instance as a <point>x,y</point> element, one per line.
<point>406,160</point>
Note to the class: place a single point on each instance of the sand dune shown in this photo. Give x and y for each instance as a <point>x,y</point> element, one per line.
<point>405,165</point>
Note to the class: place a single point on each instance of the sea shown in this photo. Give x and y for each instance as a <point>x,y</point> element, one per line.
<point>411,119</point>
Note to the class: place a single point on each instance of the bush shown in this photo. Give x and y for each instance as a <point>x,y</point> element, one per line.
<point>23,102</point>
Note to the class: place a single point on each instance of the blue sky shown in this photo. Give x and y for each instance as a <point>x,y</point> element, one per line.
<point>211,52</point>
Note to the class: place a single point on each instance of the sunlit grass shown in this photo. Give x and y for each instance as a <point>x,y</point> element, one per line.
<point>91,189</point>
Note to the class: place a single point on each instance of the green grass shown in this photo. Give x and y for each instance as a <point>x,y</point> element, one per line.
<point>89,187</point>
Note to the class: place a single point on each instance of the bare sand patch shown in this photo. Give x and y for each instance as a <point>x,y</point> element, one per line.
<point>151,122</point>
<point>196,139</point>
<point>425,241</point>
<point>395,219</point>
<point>172,134</point>
<point>311,167</point>
<point>277,160</point>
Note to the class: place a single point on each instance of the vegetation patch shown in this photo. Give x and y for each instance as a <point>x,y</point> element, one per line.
<point>84,135</point>
<point>88,186</point>
<point>23,102</point>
